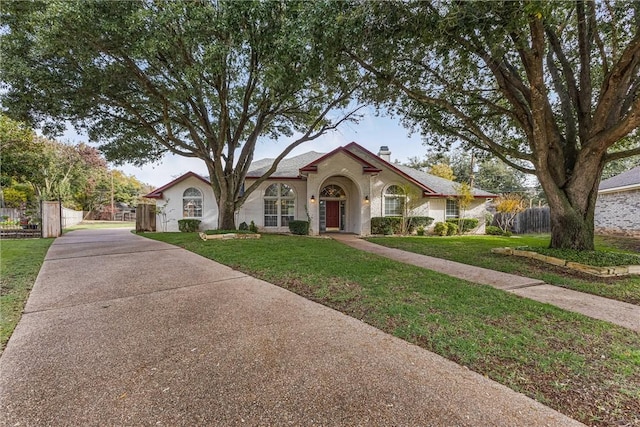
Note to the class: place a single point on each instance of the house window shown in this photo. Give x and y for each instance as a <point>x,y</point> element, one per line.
<point>452,210</point>
<point>394,201</point>
<point>192,203</point>
<point>332,191</point>
<point>279,205</point>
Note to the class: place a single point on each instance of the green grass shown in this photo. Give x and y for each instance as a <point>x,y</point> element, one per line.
<point>476,250</point>
<point>20,262</point>
<point>586,368</point>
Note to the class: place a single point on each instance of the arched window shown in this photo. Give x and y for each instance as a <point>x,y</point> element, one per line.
<point>279,205</point>
<point>332,191</point>
<point>394,200</point>
<point>192,203</point>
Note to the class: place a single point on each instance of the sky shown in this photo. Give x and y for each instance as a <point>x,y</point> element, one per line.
<point>371,132</point>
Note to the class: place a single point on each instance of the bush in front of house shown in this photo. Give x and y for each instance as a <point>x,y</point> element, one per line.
<point>386,225</point>
<point>441,228</point>
<point>393,224</point>
<point>493,230</point>
<point>466,224</point>
<point>188,225</point>
<point>299,227</point>
<point>243,227</point>
<point>253,227</point>
<point>452,228</point>
<point>415,222</point>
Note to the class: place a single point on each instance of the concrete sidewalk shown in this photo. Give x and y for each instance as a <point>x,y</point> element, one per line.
<point>121,330</point>
<point>617,312</point>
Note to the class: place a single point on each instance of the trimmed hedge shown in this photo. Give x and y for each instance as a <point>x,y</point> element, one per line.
<point>188,225</point>
<point>393,224</point>
<point>441,228</point>
<point>493,230</point>
<point>299,227</point>
<point>467,224</point>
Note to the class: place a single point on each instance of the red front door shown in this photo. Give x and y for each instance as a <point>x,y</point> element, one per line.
<point>333,214</point>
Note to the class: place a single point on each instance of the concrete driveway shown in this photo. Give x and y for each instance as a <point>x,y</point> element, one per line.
<point>121,330</point>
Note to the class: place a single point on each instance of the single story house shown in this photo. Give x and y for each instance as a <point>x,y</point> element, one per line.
<point>618,204</point>
<point>338,191</point>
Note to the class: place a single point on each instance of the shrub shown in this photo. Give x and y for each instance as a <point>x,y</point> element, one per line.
<point>393,224</point>
<point>415,222</point>
<point>253,227</point>
<point>467,224</point>
<point>493,230</point>
<point>420,231</point>
<point>441,228</point>
<point>188,225</point>
<point>452,228</point>
<point>299,227</point>
<point>386,225</point>
<point>243,226</point>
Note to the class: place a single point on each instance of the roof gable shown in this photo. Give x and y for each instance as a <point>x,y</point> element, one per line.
<point>157,193</point>
<point>432,186</point>
<point>366,166</point>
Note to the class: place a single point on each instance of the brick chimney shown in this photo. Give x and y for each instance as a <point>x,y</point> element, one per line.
<point>384,153</point>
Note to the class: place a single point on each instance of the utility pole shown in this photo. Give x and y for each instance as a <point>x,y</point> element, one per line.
<point>471,176</point>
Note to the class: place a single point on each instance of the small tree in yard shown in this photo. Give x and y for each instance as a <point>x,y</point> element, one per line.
<point>464,196</point>
<point>508,207</point>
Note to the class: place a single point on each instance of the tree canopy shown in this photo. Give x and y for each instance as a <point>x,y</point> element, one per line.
<point>550,88</point>
<point>204,79</point>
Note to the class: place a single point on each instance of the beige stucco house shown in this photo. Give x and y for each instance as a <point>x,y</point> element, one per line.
<point>338,191</point>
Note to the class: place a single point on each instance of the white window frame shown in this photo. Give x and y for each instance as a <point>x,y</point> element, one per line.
<point>195,200</point>
<point>451,205</point>
<point>282,203</point>
<point>398,196</point>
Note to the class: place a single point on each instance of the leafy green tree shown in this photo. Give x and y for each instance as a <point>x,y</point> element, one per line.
<point>205,79</point>
<point>442,170</point>
<point>19,152</point>
<point>550,88</point>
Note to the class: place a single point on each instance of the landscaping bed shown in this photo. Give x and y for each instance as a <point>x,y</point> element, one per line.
<point>601,264</point>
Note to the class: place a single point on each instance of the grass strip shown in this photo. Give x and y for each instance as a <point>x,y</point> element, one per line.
<point>20,262</point>
<point>585,368</point>
<point>476,250</point>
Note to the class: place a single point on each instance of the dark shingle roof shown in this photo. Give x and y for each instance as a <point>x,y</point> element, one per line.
<point>437,184</point>
<point>630,177</point>
<point>288,168</point>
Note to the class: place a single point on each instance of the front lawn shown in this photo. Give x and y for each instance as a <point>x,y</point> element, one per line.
<point>20,261</point>
<point>476,250</point>
<point>585,368</point>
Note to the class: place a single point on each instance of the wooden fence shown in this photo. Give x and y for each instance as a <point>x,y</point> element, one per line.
<point>532,220</point>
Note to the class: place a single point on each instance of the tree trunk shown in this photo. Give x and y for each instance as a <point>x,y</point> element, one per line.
<point>572,206</point>
<point>226,213</point>
<point>570,229</point>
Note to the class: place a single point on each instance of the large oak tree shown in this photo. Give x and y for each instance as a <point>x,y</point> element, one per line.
<point>205,79</point>
<point>551,88</point>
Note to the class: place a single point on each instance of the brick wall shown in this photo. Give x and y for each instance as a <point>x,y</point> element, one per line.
<point>618,212</point>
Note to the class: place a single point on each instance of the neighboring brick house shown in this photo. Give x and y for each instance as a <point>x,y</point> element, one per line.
<point>339,191</point>
<point>618,204</point>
